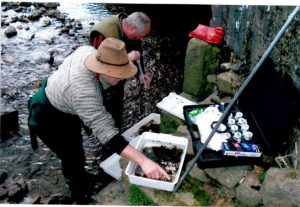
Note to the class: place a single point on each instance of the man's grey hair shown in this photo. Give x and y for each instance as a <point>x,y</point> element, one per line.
<point>139,19</point>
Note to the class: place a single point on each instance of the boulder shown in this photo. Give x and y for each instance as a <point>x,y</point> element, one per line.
<point>10,31</point>
<point>9,120</point>
<point>281,187</point>
<point>248,191</point>
<point>228,176</point>
<point>201,60</point>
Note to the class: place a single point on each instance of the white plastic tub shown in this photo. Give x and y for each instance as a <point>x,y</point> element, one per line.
<point>149,139</point>
<point>112,164</point>
<point>133,132</point>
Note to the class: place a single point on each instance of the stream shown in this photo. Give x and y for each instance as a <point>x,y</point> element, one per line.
<point>46,34</point>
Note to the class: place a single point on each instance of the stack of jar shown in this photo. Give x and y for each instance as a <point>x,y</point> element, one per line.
<point>238,128</point>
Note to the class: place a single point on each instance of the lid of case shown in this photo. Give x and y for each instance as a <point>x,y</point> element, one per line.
<point>272,104</point>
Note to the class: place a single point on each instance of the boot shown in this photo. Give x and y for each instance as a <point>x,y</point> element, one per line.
<point>80,192</point>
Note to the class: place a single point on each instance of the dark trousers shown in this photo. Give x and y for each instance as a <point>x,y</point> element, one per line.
<point>61,132</point>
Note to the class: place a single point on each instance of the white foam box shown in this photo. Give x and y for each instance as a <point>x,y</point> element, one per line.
<point>133,132</point>
<point>174,104</point>
<point>149,139</point>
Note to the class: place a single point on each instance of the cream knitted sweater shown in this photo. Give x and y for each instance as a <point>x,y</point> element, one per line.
<point>75,90</point>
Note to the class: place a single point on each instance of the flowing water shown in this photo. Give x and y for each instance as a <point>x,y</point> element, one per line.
<point>33,54</point>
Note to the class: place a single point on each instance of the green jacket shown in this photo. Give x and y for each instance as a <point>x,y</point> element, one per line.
<point>109,27</point>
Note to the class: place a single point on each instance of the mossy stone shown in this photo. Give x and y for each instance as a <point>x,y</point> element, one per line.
<point>169,123</point>
<point>201,60</point>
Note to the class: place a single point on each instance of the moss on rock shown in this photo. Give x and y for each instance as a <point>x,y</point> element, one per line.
<point>169,123</point>
<point>201,60</point>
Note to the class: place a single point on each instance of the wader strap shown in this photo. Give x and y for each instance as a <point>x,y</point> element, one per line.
<point>33,139</point>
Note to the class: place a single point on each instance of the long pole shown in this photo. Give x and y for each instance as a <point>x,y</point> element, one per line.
<point>238,93</point>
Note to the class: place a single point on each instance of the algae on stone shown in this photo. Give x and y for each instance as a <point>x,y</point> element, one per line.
<point>201,60</point>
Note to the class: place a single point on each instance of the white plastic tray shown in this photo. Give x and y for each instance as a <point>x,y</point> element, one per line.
<point>112,166</point>
<point>149,139</point>
<point>133,132</point>
<point>174,104</point>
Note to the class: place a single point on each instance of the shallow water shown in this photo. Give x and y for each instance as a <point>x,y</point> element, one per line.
<point>33,54</point>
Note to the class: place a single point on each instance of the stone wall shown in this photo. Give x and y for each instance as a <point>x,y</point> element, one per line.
<point>249,30</point>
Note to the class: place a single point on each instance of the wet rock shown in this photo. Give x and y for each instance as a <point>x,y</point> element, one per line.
<point>4,8</point>
<point>248,191</point>
<point>3,176</point>
<point>198,173</point>
<point>37,14</point>
<point>46,22</point>
<point>236,67</point>
<point>10,31</point>
<point>27,36</point>
<point>61,17</point>
<point>226,82</point>
<point>228,176</point>
<point>72,32</point>
<point>186,199</point>
<point>19,9</point>
<point>281,183</point>
<point>36,200</point>
<point>13,19</point>
<point>215,98</point>
<point>33,171</point>
<point>78,26</point>
<point>25,4</point>
<point>59,199</point>
<point>182,131</point>
<point>68,25</point>
<point>9,120</point>
<point>4,22</point>
<point>114,194</point>
<point>64,30</point>
<point>53,13</point>
<point>17,191</point>
<point>51,5</point>
<point>19,27</point>
<point>3,192</point>
<point>40,57</point>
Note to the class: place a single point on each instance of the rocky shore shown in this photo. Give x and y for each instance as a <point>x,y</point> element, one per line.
<point>36,37</point>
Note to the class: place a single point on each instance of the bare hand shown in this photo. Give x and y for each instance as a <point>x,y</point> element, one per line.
<point>153,170</point>
<point>146,80</point>
<point>134,55</point>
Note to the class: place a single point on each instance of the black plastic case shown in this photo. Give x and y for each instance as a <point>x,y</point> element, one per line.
<point>271,106</point>
<point>210,158</point>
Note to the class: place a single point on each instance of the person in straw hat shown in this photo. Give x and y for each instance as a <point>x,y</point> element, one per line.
<point>72,95</point>
<point>132,30</point>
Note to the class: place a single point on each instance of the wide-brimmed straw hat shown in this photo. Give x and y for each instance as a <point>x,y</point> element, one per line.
<point>111,59</point>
